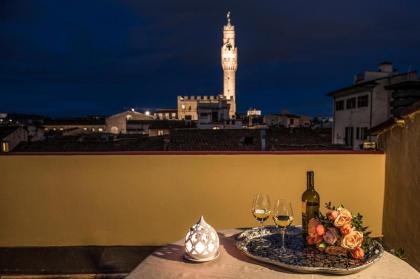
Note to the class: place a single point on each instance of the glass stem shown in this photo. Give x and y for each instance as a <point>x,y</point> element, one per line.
<point>282,239</point>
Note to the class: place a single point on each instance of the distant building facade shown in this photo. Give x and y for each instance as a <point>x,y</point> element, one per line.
<point>11,136</point>
<point>3,118</point>
<point>213,112</point>
<point>117,123</point>
<point>197,107</point>
<point>166,114</point>
<point>74,126</point>
<point>191,107</point>
<point>155,127</point>
<point>365,104</point>
<point>287,120</point>
<point>254,112</point>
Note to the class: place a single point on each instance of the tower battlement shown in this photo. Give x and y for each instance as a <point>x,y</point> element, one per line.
<point>198,98</point>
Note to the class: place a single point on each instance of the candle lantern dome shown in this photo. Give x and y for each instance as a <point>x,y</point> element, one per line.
<point>201,242</point>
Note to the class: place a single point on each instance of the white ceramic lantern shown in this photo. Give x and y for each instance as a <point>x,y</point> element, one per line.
<point>201,242</point>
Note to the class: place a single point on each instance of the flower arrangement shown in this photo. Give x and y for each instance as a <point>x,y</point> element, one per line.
<point>339,233</point>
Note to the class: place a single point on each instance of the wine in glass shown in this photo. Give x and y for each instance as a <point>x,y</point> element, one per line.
<point>283,217</point>
<point>261,208</point>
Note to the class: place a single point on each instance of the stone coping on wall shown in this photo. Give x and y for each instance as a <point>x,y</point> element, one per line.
<point>286,152</point>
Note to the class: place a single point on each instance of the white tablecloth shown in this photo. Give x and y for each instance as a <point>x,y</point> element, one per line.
<point>168,262</point>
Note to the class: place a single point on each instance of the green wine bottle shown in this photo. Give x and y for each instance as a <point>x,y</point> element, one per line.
<point>310,202</point>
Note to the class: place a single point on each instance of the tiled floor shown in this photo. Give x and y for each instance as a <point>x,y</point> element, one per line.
<point>84,262</point>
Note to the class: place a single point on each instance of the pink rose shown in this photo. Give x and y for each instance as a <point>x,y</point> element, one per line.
<point>331,236</point>
<point>312,240</point>
<point>312,225</point>
<point>343,218</point>
<point>332,215</point>
<point>352,240</point>
<point>346,229</point>
<point>320,229</point>
<point>358,253</point>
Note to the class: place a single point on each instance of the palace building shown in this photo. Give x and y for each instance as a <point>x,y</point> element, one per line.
<point>221,107</point>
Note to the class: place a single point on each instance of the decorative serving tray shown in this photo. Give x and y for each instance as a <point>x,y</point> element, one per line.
<point>264,245</point>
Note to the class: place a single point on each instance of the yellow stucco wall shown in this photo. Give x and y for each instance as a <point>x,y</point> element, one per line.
<point>153,199</point>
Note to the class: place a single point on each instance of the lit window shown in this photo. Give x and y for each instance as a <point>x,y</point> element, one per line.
<point>61,129</point>
<point>4,146</point>
<point>100,129</point>
<point>183,106</point>
<point>160,132</point>
<point>85,129</point>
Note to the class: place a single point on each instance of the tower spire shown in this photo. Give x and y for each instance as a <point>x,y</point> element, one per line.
<point>228,17</point>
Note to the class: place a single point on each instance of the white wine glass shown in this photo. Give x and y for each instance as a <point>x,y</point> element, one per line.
<point>261,208</point>
<point>283,218</point>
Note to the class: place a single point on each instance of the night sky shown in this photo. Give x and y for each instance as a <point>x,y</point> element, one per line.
<point>85,57</point>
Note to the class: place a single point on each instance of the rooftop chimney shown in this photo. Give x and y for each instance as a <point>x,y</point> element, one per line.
<point>386,67</point>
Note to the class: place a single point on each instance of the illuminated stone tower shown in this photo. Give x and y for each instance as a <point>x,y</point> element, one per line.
<point>229,64</point>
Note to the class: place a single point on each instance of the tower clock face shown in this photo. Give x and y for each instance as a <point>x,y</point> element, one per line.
<point>228,48</point>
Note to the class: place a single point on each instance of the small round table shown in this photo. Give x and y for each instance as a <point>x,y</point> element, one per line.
<point>168,262</point>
